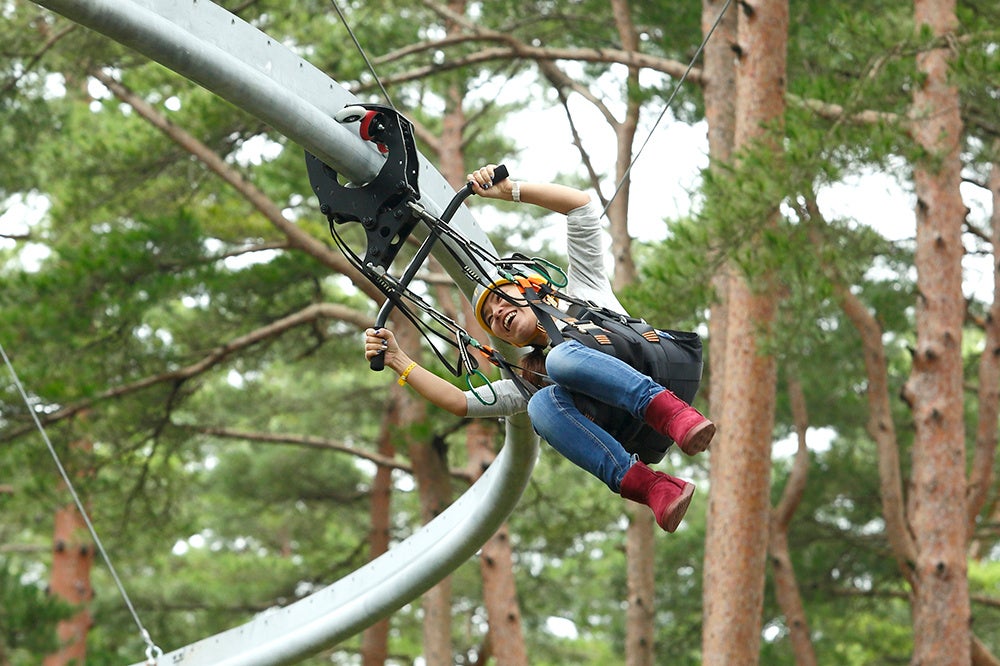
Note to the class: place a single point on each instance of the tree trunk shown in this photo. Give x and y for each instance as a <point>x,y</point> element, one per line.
<point>375,639</point>
<point>720,114</point>
<point>738,512</point>
<point>496,563</point>
<point>435,491</point>
<point>786,588</point>
<point>72,560</point>
<point>621,241</point>
<point>430,470</point>
<point>640,547</point>
<point>430,466</point>
<point>739,509</point>
<point>938,517</point>
<point>882,429</point>
<point>640,616</point>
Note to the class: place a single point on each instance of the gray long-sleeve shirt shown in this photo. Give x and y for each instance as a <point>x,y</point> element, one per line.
<point>586,279</point>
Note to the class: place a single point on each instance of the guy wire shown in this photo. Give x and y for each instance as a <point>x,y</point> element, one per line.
<point>371,68</point>
<point>666,106</point>
<point>152,649</point>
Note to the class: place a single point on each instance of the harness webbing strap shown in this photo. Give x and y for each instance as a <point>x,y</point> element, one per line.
<point>525,388</point>
<point>628,336</point>
<point>548,313</point>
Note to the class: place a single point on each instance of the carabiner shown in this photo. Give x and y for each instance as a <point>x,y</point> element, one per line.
<point>543,266</point>
<point>475,391</point>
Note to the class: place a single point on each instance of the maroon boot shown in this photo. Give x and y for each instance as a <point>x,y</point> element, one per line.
<point>669,415</point>
<point>666,495</point>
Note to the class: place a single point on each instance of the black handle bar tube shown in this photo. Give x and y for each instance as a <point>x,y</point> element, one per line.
<point>377,362</point>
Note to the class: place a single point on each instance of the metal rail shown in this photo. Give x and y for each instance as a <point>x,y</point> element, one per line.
<point>210,46</point>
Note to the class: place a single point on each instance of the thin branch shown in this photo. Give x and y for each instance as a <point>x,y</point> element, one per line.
<point>880,426</point>
<point>306,441</point>
<point>297,238</point>
<point>212,359</point>
<point>785,584</point>
<point>311,442</point>
<point>36,58</point>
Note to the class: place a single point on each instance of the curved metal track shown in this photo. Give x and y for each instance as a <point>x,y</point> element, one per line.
<point>210,46</point>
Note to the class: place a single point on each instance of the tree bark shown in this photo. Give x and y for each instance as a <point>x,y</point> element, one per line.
<point>640,546</point>
<point>640,615</point>
<point>738,512</point>
<point>435,494</point>
<point>430,466</point>
<point>621,241</point>
<point>496,564</point>
<point>938,515</point>
<point>72,560</point>
<point>375,639</point>
<point>739,509</point>
<point>785,585</point>
<point>882,429</point>
<point>720,114</point>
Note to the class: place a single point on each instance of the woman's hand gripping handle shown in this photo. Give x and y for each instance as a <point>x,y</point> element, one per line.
<point>479,182</point>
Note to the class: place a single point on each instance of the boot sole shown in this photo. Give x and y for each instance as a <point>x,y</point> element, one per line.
<point>674,514</point>
<point>698,438</point>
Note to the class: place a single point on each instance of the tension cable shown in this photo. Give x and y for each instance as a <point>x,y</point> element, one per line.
<point>371,68</point>
<point>152,651</point>
<point>667,104</point>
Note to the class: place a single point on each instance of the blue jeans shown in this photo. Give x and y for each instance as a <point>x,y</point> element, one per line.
<point>574,367</point>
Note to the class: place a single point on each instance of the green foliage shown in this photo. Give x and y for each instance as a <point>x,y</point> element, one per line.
<point>984,588</point>
<point>28,616</point>
<point>150,265</point>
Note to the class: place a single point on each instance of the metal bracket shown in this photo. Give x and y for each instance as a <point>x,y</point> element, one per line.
<point>381,205</point>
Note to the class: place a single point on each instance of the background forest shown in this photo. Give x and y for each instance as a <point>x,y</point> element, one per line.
<point>190,336</point>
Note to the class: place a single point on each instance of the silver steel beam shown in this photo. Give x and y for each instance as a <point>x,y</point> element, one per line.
<point>289,634</point>
<point>206,44</point>
<point>224,54</point>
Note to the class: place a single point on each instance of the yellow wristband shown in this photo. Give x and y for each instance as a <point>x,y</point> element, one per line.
<point>402,377</point>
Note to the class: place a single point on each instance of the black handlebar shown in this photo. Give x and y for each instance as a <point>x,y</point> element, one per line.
<point>377,362</point>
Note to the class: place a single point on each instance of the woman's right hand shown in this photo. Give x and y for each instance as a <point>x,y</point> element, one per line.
<point>439,391</point>
<point>383,341</point>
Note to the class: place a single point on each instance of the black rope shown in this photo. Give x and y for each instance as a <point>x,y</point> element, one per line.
<point>400,299</point>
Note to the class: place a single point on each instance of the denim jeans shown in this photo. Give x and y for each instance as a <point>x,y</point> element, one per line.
<point>574,367</point>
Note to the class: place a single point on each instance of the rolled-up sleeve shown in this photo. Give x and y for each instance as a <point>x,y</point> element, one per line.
<point>509,400</point>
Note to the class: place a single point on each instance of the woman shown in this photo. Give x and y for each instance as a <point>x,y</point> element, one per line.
<point>570,368</point>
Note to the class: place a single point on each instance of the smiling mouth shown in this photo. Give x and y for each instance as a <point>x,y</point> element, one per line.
<point>508,319</point>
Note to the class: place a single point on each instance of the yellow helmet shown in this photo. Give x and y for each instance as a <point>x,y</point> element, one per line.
<point>522,281</point>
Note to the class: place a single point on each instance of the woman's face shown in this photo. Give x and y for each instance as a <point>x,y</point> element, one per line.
<point>515,324</point>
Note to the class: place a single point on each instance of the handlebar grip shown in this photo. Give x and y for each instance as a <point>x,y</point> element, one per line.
<point>377,362</point>
<point>500,173</point>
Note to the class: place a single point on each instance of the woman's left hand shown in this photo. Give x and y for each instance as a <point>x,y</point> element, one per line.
<point>483,185</point>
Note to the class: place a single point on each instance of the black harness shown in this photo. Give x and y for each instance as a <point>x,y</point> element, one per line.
<point>671,358</point>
